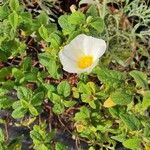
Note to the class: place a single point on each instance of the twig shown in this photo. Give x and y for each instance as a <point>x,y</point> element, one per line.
<point>78,145</point>
<point>50,119</point>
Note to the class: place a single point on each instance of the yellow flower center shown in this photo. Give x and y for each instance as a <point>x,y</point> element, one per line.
<point>85,61</point>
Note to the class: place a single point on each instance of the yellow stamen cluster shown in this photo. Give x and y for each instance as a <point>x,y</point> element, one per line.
<point>85,61</point>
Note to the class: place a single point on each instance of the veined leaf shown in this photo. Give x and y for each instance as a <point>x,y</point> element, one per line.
<point>92,11</point>
<point>14,5</point>
<point>121,97</point>
<point>37,99</point>
<point>24,104</point>
<point>77,18</point>
<point>55,40</point>
<point>133,143</point>
<point>146,100</point>
<point>44,33</point>
<point>14,20</point>
<point>50,64</point>
<point>19,112</point>
<point>24,93</point>
<point>97,24</point>
<point>110,77</point>
<point>60,146</point>
<point>64,88</point>
<point>83,114</point>
<point>5,102</point>
<point>33,110</point>
<point>65,25</point>
<point>140,78</point>
<point>131,121</point>
<point>58,108</point>
<point>43,18</point>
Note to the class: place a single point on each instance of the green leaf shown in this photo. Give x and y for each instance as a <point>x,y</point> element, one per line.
<point>93,104</point>
<point>44,33</point>
<point>54,98</point>
<point>30,77</point>
<point>44,147</point>
<point>115,111</point>
<point>16,104</point>
<point>26,64</point>
<point>97,24</point>
<point>4,55</point>
<point>3,91</point>
<point>140,78</point>
<point>131,121</point>
<point>110,77</point>
<point>65,25</point>
<point>44,58</point>
<point>4,12</point>
<point>5,102</point>
<point>14,5</point>
<point>92,86</point>
<point>146,100</point>
<point>51,27</point>
<point>73,34</point>
<point>87,98</point>
<point>19,112</point>
<point>1,146</point>
<point>52,69</point>
<point>26,22</point>
<point>50,136</point>
<point>49,87</point>
<point>122,97</point>
<point>24,104</point>
<point>133,143</point>
<point>37,99</point>
<point>50,64</point>
<point>14,20</point>
<point>91,148</point>
<point>77,18</point>
<point>4,72</point>
<point>92,11</point>
<point>17,73</point>
<point>69,103</point>
<point>33,110</point>
<point>2,137</point>
<point>21,48</point>
<point>43,18</point>
<point>60,146</point>
<point>83,114</point>
<point>64,88</point>
<point>58,108</point>
<point>119,138</point>
<point>83,88</point>
<point>146,130</point>
<point>24,93</point>
<point>35,135</point>
<point>55,40</point>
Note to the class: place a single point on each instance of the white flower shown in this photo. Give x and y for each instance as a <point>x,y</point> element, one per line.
<point>82,54</point>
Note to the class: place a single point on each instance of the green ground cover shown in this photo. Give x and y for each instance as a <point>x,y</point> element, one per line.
<point>104,107</point>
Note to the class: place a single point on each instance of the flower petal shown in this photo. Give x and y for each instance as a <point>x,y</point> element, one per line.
<point>68,64</point>
<point>94,46</point>
<point>76,47</point>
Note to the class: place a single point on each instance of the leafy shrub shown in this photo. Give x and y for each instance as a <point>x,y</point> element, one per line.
<point>106,107</point>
